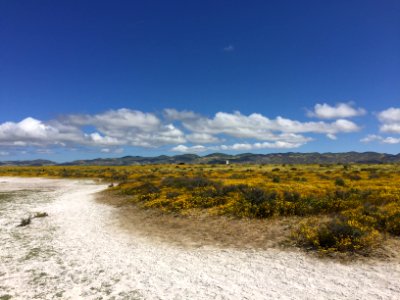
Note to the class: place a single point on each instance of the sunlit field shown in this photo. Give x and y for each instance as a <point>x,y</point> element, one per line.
<point>342,208</point>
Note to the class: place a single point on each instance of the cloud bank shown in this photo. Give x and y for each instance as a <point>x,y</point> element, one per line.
<point>182,131</point>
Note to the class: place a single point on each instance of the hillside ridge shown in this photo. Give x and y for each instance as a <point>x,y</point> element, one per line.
<point>222,158</point>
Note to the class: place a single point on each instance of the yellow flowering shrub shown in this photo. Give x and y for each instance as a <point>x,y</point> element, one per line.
<point>338,234</point>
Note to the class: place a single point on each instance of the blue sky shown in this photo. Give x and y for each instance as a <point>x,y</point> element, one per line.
<point>85,79</point>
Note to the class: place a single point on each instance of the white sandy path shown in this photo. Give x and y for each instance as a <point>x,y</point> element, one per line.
<point>90,257</point>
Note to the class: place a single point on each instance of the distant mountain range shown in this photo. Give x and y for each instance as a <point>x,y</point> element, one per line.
<point>221,158</point>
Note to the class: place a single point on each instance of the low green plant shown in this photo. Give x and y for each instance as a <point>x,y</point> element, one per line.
<point>339,234</point>
<point>339,182</point>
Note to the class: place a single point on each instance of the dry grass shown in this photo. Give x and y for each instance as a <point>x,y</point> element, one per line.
<point>199,230</point>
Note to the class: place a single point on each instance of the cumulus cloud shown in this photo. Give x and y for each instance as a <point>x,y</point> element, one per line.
<point>390,115</point>
<point>31,131</point>
<point>377,138</point>
<point>260,127</point>
<point>390,128</point>
<point>391,140</point>
<point>371,138</point>
<point>115,129</point>
<point>278,133</point>
<point>389,123</point>
<point>340,110</point>
<point>129,127</point>
<point>390,120</point>
<point>28,129</point>
<point>264,145</point>
<point>98,139</point>
<point>238,147</point>
<point>202,138</point>
<point>173,114</point>
<point>121,118</point>
<point>191,149</point>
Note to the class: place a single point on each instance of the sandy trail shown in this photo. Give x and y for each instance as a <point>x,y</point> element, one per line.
<point>80,252</point>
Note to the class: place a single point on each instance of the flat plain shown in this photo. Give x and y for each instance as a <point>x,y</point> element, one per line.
<point>201,231</point>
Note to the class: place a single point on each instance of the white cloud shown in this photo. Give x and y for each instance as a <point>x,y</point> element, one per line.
<point>384,140</point>
<point>264,145</point>
<point>187,149</point>
<point>114,129</point>
<point>173,114</point>
<point>343,126</point>
<point>4,153</point>
<point>389,123</point>
<point>390,120</point>
<point>109,150</point>
<point>371,138</point>
<point>238,147</point>
<point>391,140</point>
<point>28,128</point>
<point>98,139</point>
<point>390,128</point>
<point>129,127</point>
<point>390,115</point>
<point>202,138</point>
<point>340,110</point>
<point>31,131</point>
<point>260,127</point>
<point>229,48</point>
<point>120,127</point>
<point>121,118</point>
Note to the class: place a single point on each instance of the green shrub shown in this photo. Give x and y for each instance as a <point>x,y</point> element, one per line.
<point>339,182</point>
<point>257,196</point>
<point>172,195</point>
<point>144,188</point>
<point>276,179</point>
<point>238,176</point>
<point>390,218</point>
<point>339,234</point>
<point>291,196</point>
<point>189,183</point>
<point>255,203</point>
